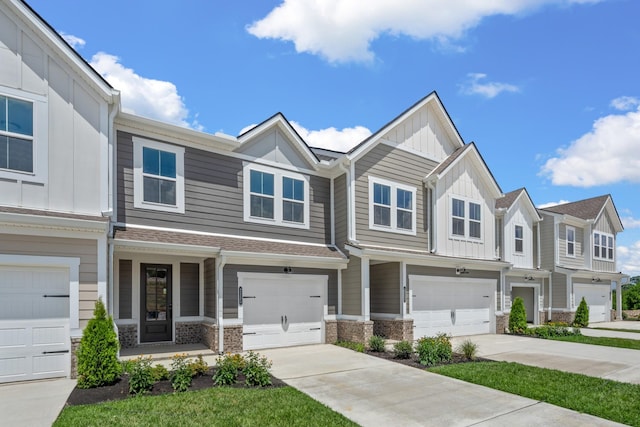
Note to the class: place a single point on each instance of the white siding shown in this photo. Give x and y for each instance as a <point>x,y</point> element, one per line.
<point>518,215</point>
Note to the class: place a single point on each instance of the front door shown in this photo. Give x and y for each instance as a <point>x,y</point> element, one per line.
<point>155,298</point>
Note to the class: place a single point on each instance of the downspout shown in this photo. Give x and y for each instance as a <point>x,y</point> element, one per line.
<point>434,216</point>
<point>332,213</point>
<point>538,244</point>
<point>550,295</point>
<point>220,263</point>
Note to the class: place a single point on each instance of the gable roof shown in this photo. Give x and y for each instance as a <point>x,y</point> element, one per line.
<point>510,199</point>
<point>588,209</point>
<point>431,98</point>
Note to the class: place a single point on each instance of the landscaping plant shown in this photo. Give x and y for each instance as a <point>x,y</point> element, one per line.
<point>181,373</point>
<point>256,370</point>
<point>227,369</point>
<point>160,372</point>
<point>198,367</point>
<point>97,354</point>
<point>141,376</point>
<point>517,317</point>
<point>469,349</point>
<point>582,315</point>
<point>376,343</point>
<point>403,349</point>
<point>434,350</point>
<point>351,345</point>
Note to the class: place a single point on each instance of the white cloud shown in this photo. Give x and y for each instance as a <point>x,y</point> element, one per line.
<point>628,259</point>
<point>74,42</point>
<point>155,99</point>
<point>489,89</point>
<point>630,222</point>
<point>342,30</point>
<point>548,205</point>
<point>605,155</point>
<point>625,103</point>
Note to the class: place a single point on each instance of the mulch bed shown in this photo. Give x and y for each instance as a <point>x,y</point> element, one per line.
<point>415,363</point>
<point>120,390</point>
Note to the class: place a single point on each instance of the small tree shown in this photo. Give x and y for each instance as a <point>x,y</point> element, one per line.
<point>97,354</point>
<point>517,317</point>
<point>582,315</point>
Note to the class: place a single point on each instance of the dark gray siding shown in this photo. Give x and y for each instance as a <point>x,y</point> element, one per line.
<point>340,209</point>
<point>579,260</point>
<point>384,284</point>
<point>189,289</point>
<point>214,199</point>
<point>547,242</point>
<point>351,287</point>
<point>559,289</point>
<point>397,166</point>
<point>231,284</point>
<point>124,288</point>
<point>210,287</point>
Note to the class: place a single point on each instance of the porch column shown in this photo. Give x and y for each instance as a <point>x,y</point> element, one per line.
<point>365,285</point>
<point>619,299</point>
<point>403,289</point>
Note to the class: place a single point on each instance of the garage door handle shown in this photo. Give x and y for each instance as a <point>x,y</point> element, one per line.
<point>55,352</point>
<point>315,296</point>
<point>55,296</point>
<point>249,333</point>
<point>314,329</point>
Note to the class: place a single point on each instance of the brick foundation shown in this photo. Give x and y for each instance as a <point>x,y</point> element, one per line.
<point>209,334</point>
<point>330,331</point>
<point>188,333</point>
<point>128,335</point>
<point>356,331</point>
<point>394,329</point>
<point>544,317</point>
<point>75,343</point>
<point>563,316</point>
<point>232,338</point>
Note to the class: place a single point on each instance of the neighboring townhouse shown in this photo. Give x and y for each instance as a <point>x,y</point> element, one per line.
<point>415,211</point>
<point>518,225</point>
<point>223,240</point>
<point>55,195</point>
<point>578,245</point>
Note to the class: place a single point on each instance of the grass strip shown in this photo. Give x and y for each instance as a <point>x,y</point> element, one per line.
<point>217,406</point>
<point>637,331</point>
<point>606,341</point>
<point>602,398</point>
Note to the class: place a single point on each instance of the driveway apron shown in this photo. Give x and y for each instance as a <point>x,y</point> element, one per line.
<point>33,403</point>
<point>376,392</point>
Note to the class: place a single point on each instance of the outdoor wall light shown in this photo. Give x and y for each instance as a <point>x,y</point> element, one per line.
<point>595,279</point>
<point>461,270</point>
<point>288,270</point>
<point>528,278</point>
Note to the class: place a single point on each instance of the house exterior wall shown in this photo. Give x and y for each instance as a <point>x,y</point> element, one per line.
<point>603,224</point>
<point>547,243</point>
<point>273,146</point>
<point>210,287</point>
<point>559,297</point>
<point>125,289</point>
<point>214,199</point>
<point>398,166</point>
<point>519,215</point>
<point>385,288</point>
<point>340,210</point>
<point>351,287</point>
<point>579,260</point>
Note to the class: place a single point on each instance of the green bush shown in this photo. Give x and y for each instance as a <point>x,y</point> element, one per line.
<point>376,343</point>
<point>97,354</point>
<point>403,350</point>
<point>582,315</point>
<point>517,317</point>
<point>469,349</point>
<point>227,368</point>
<point>256,370</point>
<point>126,366</point>
<point>355,346</point>
<point>141,376</point>
<point>552,330</point>
<point>160,373</point>
<point>198,367</point>
<point>181,374</point>
<point>434,350</point>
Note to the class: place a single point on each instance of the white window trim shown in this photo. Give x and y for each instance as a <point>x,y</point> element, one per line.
<point>278,198</point>
<point>138,187</point>
<point>393,228</point>
<point>601,258</point>
<point>515,239</point>
<point>467,219</point>
<point>566,238</point>
<point>40,172</point>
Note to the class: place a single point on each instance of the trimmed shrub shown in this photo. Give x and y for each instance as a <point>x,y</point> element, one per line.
<point>376,343</point>
<point>517,317</point>
<point>403,350</point>
<point>97,354</point>
<point>355,346</point>
<point>582,315</point>
<point>141,375</point>
<point>198,367</point>
<point>160,372</point>
<point>469,349</point>
<point>227,368</point>
<point>434,350</point>
<point>552,330</point>
<point>181,373</point>
<point>256,370</point>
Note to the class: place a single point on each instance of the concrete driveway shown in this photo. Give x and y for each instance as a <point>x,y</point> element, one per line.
<point>33,403</point>
<point>375,392</point>
<point>594,360</point>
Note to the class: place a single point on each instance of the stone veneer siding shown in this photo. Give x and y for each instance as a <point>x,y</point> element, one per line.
<point>233,339</point>
<point>75,343</point>
<point>128,335</point>
<point>330,331</point>
<point>355,330</point>
<point>398,329</point>
<point>209,334</point>
<point>563,316</point>
<point>188,332</point>
<point>502,323</point>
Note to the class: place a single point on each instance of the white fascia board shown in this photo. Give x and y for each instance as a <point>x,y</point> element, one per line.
<point>535,273</point>
<point>17,219</point>
<point>121,245</point>
<point>257,258</point>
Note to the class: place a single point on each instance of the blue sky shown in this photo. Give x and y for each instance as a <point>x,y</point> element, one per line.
<point>549,90</point>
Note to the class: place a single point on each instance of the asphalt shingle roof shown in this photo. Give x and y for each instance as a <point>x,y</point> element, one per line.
<point>584,209</point>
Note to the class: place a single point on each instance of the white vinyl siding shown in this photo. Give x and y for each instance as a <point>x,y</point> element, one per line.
<point>392,206</point>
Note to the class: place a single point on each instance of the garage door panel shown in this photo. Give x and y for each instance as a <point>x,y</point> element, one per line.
<point>13,368</point>
<point>597,298</point>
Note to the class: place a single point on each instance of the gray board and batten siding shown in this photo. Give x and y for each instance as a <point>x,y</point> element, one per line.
<point>214,199</point>
<point>385,288</point>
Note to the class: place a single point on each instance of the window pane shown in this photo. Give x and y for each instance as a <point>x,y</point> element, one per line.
<point>382,194</point>
<point>571,235</point>
<point>405,220</point>
<point>596,251</point>
<point>3,113</point>
<point>458,209</point>
<point>168,192</point>
<point>151,189</point>
<point>292,211</point>
<point>150,161</point>
<point>20,116</point>
<point>20,154</point>
<point>381,215</point>
<point>458,227</point>
<point>168,164</point>
<point>519,244</point>
<point>404,199</point>
<point>261,183</point>
<point>610,241</point>
<point>610,253</point>
<point>596,239</point>
<point>518,232</point>
<point>261,207</point>
<point>474,229</point>
<point>4,152</point>
<point>292,189</point>
<point>474,211</point>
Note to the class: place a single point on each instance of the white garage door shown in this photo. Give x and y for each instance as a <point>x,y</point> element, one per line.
<point>281,310</point>
<point>34,323</point>
<point>455,306</point>
<point>597,298</point>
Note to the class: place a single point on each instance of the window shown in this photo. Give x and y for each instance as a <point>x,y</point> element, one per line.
<point>603,246</point>
<point>158,179</point>
<point>519,235</point>
<point>392,206</point>
<point>466,219</point>
<point>274,196</point>
<point>571,241</point>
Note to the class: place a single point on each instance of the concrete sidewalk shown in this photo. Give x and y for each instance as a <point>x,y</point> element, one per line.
<point>33,403</point>
<point>375,392</point>
<point>618,364</point>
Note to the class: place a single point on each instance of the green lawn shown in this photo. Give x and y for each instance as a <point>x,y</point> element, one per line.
<point>617,330</point>
<point>217,406</point>
<point>607,399</point>
<point>606,341</point>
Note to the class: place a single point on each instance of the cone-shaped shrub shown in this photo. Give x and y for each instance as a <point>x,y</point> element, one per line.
<point>582,315</point>
<point>517,317</point>
<point>97,354</point>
